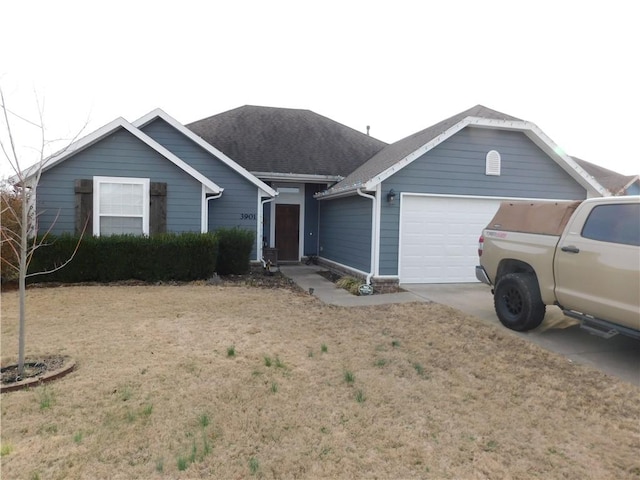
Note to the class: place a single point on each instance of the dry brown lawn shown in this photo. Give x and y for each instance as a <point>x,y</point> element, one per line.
<point>433,393</point>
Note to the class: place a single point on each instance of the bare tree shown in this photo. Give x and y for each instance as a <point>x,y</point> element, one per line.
<point>22,240</point>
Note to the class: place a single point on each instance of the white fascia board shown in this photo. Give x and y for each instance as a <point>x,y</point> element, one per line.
<point>565,162</point>
<point>159,113</point>
<point>74,148</point>
<point>107,130</point>
<point>530,129</point>
<point>629,183</point>
<point>211,186</point>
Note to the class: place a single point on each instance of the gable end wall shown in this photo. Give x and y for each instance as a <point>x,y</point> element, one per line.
<point>457,167</point>
<point>118,155</point>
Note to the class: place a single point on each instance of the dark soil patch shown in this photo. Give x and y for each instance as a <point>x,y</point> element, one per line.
<point>329,275</point>
<point>36,370</point>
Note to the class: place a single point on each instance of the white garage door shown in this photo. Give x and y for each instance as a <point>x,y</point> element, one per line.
<point>439,237</point>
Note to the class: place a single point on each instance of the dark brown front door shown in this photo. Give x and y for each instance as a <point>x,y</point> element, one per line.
<point>287,231</point>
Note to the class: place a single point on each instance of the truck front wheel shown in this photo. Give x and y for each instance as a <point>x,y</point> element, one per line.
<point>518,303</point>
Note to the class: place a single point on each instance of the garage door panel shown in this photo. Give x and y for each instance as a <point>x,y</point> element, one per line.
<point>439,237</point>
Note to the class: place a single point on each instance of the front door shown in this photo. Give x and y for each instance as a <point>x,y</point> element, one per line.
<point>287,232</point>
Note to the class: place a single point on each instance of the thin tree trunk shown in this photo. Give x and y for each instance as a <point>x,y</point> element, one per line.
<point>24,228</point>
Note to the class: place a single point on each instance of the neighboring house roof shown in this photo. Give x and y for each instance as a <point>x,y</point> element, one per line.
<point>283,142</point>
<point>159,113</point>
<point>401,153</point>
<point>615,182</point>
<point>105,131</point>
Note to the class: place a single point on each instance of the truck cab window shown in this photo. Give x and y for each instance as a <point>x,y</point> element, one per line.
<point>614,223</point>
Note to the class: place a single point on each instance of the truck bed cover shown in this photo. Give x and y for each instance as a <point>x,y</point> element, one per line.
<point>544,218</point>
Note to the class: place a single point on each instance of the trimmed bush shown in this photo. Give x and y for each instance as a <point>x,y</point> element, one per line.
<point>235,245</point>
<point>163,257</point>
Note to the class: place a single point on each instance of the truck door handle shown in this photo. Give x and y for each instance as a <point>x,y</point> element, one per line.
<point>570,249</point>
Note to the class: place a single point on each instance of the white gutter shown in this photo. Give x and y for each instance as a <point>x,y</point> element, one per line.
<point>373,231</point>
<point>205,220</point>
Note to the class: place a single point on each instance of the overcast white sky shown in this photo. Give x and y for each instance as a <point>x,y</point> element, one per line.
<point>570,67</point>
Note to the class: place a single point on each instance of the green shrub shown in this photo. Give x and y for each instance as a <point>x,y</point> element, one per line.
<point>234,250</point>
<point>163,257</point>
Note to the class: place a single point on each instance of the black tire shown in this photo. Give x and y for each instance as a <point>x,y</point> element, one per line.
<point>518,303</point>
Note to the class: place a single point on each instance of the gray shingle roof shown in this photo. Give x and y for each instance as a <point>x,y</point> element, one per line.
<point>612,181</point>
<point>287,141</point>
<point>393,153</point>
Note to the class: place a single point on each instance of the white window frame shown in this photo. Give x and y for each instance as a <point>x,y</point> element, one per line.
<point>97,183</point>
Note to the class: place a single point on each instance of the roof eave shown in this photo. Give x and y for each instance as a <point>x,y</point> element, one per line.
<point>104,132</point>
<point>530,129</point>
<point>298,177</point>
<point>343,192</point>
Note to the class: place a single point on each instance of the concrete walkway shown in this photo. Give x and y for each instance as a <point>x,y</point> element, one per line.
<point>618,356</point>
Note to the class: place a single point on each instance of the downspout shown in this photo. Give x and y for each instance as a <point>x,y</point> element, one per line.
<point>373,231</point>
<point>261,224</point>
<point>207,198</point>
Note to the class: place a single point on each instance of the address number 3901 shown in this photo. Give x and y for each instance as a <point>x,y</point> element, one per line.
<point>247,216</point>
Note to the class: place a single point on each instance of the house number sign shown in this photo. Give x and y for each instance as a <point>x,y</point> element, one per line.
<point>247,216</point>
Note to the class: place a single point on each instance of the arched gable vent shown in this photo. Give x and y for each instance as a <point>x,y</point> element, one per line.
<point>493,163</point>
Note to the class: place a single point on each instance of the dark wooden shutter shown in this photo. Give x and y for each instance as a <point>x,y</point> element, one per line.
<point>158,207</point>
<point>84,206</point>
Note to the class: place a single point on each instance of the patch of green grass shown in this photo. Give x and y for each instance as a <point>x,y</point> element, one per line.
<point>267,361</point>
<point>395,343</point>
<point>360,396</point>
<point>206,447</point>
<point>381,362</point>
<point>324,430</point>
<point>324,348</point>
<point>310,354</point>
<point>491,446</point>
<point>6,449</point>
<point>35,476</point>
<point>160,465</point>
<point>147,410</point>
<point>77,437</point>
<point>274,387</point>
<point>183,463</point>
<point>130,416</point>
<point>203,420</point>
<point>254,465</point>
<point>419,369</point>
<point>45,398</point>
<point>194,451</point>
<point>279,363</point>
<point>349,376</point>
<point>231,351</point>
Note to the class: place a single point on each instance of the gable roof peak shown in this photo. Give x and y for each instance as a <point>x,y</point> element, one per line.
<point>403,152</point>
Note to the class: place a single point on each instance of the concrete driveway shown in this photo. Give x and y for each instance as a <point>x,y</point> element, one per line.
<point>619,356</point>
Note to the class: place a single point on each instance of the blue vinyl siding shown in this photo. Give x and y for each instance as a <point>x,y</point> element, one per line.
<point>633,189</point>
<point>238,206</point>
<point>311,218</point>
<point>345,231</point>
<point>119,155</point>
<point>457,167</point>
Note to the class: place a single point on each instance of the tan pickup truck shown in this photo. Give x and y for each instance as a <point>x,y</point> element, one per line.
<point>582,256</point>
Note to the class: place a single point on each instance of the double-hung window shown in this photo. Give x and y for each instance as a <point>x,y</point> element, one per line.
<point>120,205</point>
